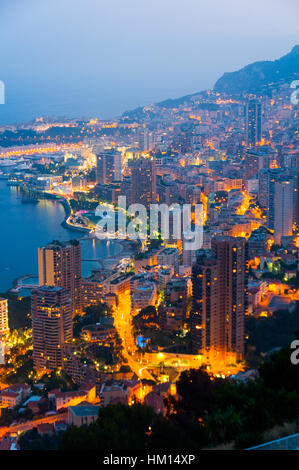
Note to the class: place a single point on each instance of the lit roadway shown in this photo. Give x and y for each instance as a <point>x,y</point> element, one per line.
<point>19,428</point>
<point>32,149</point>
<point>123,324</point>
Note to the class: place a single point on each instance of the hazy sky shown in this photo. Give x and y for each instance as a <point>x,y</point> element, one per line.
<point>99,58</point>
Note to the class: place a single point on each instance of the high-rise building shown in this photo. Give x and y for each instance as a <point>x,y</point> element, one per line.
<point>279,194</point>
<point>144,139</point>
<point>254,161</point>
<point>281,211</point>
<point>51,313</point>
<point>232,256</point>
<point>59,264</point>
<point>219,298</point>
<point>264,176</point>
<point>108,166</point>
<point>206,319</point>
<point>143,181</point>
<point>4,328</point>
<point>169,257</point>
<point>253,122</point>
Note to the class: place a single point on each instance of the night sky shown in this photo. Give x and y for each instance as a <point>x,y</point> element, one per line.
<point>99,58</point>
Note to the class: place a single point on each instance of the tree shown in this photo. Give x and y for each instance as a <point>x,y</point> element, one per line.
<point>196,389</point>
<point>224,425</point>
<point>58,380</point>
<point>266,334</point>
<point>31,440</point>
<point>120,427</point>
<point>93,314</point>
<point>18,311</point>
<point>117,427</point>
<point>279,373</point>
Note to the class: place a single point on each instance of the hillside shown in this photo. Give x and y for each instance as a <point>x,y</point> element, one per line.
<point>252,78</point>
<point>259,75</point>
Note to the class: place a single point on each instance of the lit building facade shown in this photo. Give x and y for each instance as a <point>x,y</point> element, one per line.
<point>219,298</point>
<point>51,313</point>
<point>4,328</point>
<point>59,264</point>
<point>143,181</point>
<point>253,122</point>
<point>108,166</point>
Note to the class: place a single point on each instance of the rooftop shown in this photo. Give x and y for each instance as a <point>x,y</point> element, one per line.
<point>84,410</point>
<point>50,288</point>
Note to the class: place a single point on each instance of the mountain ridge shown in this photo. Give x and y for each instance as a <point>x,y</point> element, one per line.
<point>257,75</point>
<point>252,78</point>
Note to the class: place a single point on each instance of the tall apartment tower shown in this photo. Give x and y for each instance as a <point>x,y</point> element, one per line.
<point>51,313</point>
<point>254,162</point>
<point>253,122</point>
<point>219,298</point>
<point>264,177</point>
<point>143,181</point>
<point>282,195</point>
<point>279,194</point>
<point>207,323</point>
<point>232,256</point>
<point>108,166</point>
<point>144,139</point>
<point>59,264</point>
<point>4,328</point>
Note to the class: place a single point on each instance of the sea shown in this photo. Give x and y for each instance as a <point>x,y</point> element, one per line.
<point>25,227</point>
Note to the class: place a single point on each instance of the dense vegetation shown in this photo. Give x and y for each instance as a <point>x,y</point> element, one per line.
<point>120,426</point>
<point>18,311</point>
<point>58,380</point>
<point>93,314</point>
<point>209,412</point>
<point>267,333</point>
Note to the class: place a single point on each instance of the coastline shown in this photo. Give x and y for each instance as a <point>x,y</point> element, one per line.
<point>68,211</point>
<point>124,244</point>
<point>123,248</point>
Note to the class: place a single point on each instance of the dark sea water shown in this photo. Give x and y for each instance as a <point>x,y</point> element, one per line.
<point>25,227</point>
